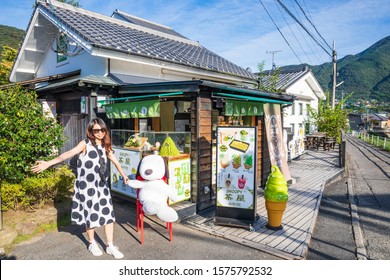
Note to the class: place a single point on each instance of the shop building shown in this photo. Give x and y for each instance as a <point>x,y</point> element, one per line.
<point>302,84</point>
<point>143,79</point>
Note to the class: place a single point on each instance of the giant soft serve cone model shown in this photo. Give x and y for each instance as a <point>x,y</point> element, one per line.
<point>276,196</point>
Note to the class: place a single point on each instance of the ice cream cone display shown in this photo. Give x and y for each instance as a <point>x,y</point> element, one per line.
<point>248,162</point>
<point>225,161</point>
<point>236,161</point>
<point>276,197</point>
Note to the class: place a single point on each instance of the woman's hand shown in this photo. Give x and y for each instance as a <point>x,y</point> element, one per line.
<point>126,180</point>
<point>40,166</point>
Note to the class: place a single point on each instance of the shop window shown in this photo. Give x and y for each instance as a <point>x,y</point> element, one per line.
<point>143,125</point>
<point>307,110</point>
<point>183,106</point>
<point>307,128</point>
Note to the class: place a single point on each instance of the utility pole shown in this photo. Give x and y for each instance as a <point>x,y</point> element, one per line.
<point>273,58</point>
<point>334,60</point>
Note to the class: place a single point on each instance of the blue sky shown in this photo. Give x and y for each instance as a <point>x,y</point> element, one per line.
<point>243,32</point>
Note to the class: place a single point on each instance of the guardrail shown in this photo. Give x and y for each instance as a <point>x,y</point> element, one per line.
<point>381,142</point>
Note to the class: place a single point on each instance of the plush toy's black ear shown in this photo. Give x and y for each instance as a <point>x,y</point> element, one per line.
<point>166,168</point>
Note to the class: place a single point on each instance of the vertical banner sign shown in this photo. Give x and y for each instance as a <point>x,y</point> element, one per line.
<point>236,175</point>
<point>273,129</point>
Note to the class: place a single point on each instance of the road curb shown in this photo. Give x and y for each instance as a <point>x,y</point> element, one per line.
<point>361,252</point>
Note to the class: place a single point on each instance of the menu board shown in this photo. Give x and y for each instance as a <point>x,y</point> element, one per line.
<point>236,172</point>
<point>179,173</point>
<point>180,178</point>
<point>129,161</point>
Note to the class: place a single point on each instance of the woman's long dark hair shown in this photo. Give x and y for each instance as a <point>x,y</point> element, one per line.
<point>106,141</point>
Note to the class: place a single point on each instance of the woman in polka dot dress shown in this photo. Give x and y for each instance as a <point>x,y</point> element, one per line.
<point>92,203</point>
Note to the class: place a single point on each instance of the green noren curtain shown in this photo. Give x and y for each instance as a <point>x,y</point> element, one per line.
<point>243,108</point>
<point>136,109</point>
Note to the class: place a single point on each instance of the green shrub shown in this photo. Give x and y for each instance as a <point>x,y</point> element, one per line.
<point>11,196</point>
<point>328,119</point>
<point>52,186</point>
<point>26,134</point>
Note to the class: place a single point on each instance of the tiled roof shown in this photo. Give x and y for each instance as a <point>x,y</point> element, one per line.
<point>108,33</point>
<point>145,23</point>
<point>284,78</point>
<point>377,117</point>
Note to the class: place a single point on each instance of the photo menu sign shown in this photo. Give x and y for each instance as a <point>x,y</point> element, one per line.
<point>236,175</point>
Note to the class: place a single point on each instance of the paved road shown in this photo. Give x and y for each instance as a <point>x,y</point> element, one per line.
<point>334,237</point>
<point>69,243</point>
<point>354,217</point>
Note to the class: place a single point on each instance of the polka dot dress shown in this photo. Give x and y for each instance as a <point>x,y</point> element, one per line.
<point>92,203</point>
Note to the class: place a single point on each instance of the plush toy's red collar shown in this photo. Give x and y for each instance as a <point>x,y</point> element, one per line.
<point>139,178</point>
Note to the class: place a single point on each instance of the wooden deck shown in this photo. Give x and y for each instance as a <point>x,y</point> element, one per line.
<point>311,172</point>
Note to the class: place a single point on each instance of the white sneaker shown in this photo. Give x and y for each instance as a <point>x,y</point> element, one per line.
<point>113,250</point>
<point>95,250</point>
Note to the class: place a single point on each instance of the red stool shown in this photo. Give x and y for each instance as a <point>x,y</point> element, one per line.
<point>140,221</point>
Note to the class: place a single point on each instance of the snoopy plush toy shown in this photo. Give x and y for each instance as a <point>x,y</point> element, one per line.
<point>154,191</point>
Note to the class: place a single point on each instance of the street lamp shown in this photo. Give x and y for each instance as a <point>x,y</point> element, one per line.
<point>334,96</point>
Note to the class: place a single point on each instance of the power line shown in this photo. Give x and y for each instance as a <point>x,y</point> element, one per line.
<point>296,1</point>
<point>304,28</point>
<point>310,43</point>
<point>292,32</point>
<point>261,2</point>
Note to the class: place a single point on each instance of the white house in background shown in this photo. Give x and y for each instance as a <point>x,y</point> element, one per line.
<point>302,84</point>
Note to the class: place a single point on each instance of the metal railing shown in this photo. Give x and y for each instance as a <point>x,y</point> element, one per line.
<point>381,142</point>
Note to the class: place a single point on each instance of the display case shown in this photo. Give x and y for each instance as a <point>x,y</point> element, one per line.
<point>130,146</point>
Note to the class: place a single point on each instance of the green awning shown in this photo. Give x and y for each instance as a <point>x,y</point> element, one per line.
<point>145,96</point>
<point>251,98</point>
<point>134,109</point>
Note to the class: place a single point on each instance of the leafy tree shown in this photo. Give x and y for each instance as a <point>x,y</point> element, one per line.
<point>71,2</point>
<point>272,78</point>
<point>26,133</point>
<point>329,120</point>
<point>8,57</point>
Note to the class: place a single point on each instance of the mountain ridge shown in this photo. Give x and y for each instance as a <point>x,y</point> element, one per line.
<point>10,36</point>
<point>366,74</point>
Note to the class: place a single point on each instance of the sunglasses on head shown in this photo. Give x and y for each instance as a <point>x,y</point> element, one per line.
<point>96,131</point>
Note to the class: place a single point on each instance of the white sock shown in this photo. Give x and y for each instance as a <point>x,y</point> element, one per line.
<point>92,241</point>
<point>109,244</point>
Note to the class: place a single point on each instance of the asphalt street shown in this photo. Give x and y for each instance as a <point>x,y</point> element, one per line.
<point>70,243</point>
<point>341,232</point>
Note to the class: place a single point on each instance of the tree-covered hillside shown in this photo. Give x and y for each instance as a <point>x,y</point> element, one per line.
<point>366,74</point>
<point>10,36</point>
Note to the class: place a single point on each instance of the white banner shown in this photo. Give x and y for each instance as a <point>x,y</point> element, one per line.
<point>273,129</point>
